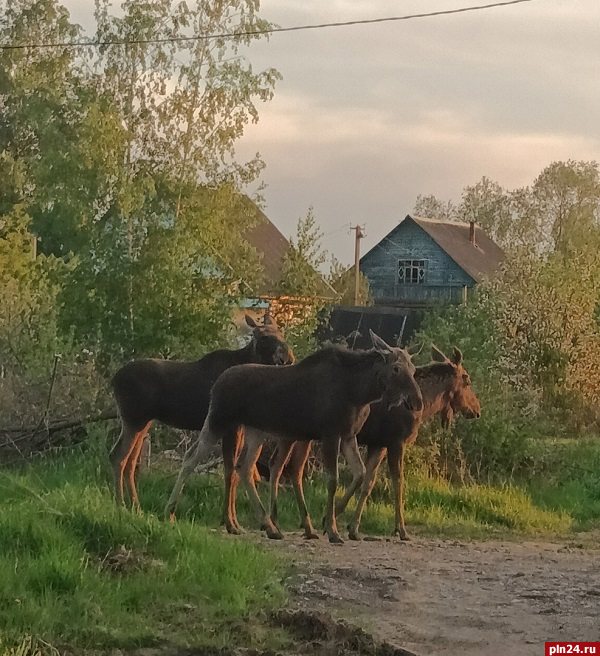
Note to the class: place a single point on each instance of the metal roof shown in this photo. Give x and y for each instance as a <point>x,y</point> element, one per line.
<point>479,260</point>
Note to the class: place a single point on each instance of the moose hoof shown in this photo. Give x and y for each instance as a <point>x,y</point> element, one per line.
<point>274,534</point>
<point>402,534</point>
<point>353,534</point>
<point>234,530</point>
<point>311,535</point>
<point>334,538</point>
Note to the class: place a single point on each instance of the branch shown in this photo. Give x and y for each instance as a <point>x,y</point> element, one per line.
<point>64,424</point>
<point>44,417</point>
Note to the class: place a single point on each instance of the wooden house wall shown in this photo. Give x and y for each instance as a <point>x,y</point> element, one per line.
<point>444,279</point>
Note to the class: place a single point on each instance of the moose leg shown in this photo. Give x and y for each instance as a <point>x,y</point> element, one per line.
<point>298,460</point>
<point>232,445</point>
<point>277,463</point>
<point>254,443</point>
<point>331,449</point>
<point>197,452</point>
<point>341,504</point>
<point>396,467</point>
<point>120,455</point>
<point>274,510</point>
<point>374,458</point>
<point>256,474</point>
<point>131,467</point>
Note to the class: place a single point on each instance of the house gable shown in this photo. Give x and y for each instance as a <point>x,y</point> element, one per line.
<point>443,278</point>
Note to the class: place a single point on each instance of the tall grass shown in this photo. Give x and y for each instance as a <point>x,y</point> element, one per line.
<point>434,506</point>
<point>76,570</point>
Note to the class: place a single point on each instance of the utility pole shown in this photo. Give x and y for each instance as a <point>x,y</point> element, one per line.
<point>359,234</point>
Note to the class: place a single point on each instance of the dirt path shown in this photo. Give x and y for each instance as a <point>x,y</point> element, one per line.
<point>453,598</point>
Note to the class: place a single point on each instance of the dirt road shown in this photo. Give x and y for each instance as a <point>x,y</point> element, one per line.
<point>436,597</point>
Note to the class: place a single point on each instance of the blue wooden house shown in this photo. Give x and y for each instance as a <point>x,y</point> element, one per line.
<point>422,261</point>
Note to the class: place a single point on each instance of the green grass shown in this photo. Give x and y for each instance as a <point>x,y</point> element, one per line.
<point>570,480</point>
<point>556,504</point>
<point>64,576</point>
<point>433,507</point>
<point>77,571</point>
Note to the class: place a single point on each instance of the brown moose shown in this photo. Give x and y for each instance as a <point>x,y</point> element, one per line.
<point>324,397</point>
<point>178,394</point>
<point>446,389</point>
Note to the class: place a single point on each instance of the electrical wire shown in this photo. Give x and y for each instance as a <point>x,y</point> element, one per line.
<point>271,30</point>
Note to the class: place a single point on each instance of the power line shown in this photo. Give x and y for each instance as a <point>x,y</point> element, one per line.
<point>332,232</point>
<point>272,30</point>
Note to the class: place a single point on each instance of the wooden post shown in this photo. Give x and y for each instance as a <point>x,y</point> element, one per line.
<point>358,236</point>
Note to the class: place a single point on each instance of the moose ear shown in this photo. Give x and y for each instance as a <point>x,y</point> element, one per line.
<point>457,356</point>
<point>437,355</point>
<point>250,321</point>
<point>270,321</point>
<point>378,343</point>
<point>414,350</point>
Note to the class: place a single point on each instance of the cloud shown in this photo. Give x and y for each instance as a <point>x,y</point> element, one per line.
<point>355,165</point>
<point>368,117</point>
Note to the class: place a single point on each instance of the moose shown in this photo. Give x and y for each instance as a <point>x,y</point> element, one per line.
<point>325,397</point>
<point>391,426</point>
<point>178,394</point>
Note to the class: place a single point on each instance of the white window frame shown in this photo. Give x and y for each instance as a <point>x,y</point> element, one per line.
<point>414,271</point>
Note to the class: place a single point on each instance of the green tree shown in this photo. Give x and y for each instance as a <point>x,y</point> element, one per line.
<point>124,158</point>
<point>343,280</point>
<point>300,275</point>
<point>559,212</point>
<point>488,205</point>
<point>565,199</point>
<point>302,288</point>
<point>430,207</point>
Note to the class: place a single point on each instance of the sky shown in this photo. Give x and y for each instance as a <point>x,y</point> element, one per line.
<point>368,117</point>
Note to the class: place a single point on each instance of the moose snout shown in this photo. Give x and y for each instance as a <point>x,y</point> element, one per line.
<point>414,402</point>
<point>414,399</point>
<point>283,357</point>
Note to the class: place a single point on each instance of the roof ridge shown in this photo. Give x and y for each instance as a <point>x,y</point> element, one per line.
<point>442,221</point>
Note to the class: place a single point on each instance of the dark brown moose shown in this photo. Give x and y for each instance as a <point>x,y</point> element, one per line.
<point>324,397</point>
<point>390,428</point>
<point>178,394</point>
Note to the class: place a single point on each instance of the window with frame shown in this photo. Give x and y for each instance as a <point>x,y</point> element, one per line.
<point>412,272</point>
